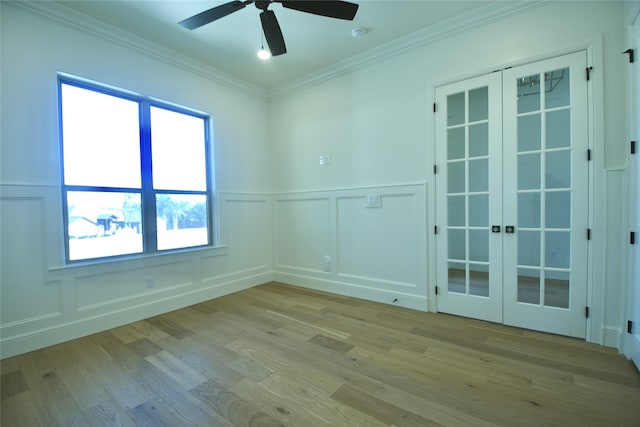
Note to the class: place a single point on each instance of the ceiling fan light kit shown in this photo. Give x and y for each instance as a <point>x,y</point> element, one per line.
<point>272,32</point>
<point>264,54</point>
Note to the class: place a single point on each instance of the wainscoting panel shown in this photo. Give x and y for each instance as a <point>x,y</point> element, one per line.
<point>246,234</point>
<point>23,213</point>
<point>364,242</point>
<point>46,302</point>
<point>100,291</point>
<point>379,244</point>
<point>303,227</point>
<point>617,238</point>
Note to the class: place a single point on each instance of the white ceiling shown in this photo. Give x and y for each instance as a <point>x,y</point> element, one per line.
<point>313,42</point>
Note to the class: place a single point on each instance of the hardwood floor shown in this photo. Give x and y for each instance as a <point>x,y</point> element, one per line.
<point>277,355</point>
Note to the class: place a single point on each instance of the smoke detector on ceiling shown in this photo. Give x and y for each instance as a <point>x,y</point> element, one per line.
<point>357,33</point>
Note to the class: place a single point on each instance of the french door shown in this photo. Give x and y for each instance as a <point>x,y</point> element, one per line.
<point>512,196</point>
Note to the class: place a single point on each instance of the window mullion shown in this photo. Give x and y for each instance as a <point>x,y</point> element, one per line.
<point>148,194</point>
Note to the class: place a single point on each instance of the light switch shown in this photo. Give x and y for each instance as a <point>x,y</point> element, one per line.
<point>373,201</point>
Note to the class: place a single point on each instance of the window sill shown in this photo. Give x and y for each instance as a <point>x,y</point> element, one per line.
<point>144,260</point>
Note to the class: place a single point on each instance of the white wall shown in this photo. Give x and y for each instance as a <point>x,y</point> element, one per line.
<point>375,123</point>
<point>43,301</point>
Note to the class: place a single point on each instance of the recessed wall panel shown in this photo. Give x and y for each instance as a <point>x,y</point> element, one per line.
<point>118,286</point>
<point>379,243</point>
<point>23,248</point>
<point>303,228</point>
<point>247,228</point>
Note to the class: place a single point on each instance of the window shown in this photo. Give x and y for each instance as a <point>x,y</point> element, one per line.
<point>135,173</point>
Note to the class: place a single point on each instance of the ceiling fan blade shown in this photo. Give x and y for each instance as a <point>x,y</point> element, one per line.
<point>331,9</point>
<point>272,33</point>
<point>213,14</point>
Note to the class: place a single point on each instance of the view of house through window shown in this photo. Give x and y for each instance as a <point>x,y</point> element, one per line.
<point>135,174</point>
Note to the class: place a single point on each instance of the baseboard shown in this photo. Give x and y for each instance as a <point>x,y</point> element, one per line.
<point>395,298</point>
<point>611,337</point>
<point>14,345</point>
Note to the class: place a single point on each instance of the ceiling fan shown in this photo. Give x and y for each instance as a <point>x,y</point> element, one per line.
<point>273,34</point>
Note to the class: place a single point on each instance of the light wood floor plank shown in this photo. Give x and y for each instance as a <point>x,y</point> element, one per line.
<point>278,355</point>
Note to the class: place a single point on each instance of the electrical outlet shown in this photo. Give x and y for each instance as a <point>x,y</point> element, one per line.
<point>327,263</point>
<point>148,281</point>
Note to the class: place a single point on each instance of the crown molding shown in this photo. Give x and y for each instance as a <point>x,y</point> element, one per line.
<point>415,40</point>
<point>60,13</point>
<point>409,42</point>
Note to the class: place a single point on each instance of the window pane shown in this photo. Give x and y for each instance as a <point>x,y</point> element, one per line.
<point>479,245</point>
<point>558,169</point>
<point>529,210</point>
<point>455,109</point>
<point>182,220</point>
<point>528,93</point>
<point>479,280</point>
<point>529,285</point>
<point>479,175</point>
<point>455,177</point>
<point>103,224</point>
<point>457,245</point>
<point>178,151</point>
<point>558,129</point>
<point>455,143</point>
<point>556,289</point>
<point>479,104</point>
<point>479,140</point>
<point>456,211</point>
<point>558,209</point>
<point>528,171</point>
<point>529,248</point>
<point>479,210</point>
<point>529,133</point>
<point>457,278</point>
<point>557,88</point>
<point>101,139</point>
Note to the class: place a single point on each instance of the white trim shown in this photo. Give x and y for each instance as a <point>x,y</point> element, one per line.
<point>47,336</point>
<point>415,302</point>
<point>60,13</point>
<point>411,41</point>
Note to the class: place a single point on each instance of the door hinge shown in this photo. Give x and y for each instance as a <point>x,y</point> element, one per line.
<point>586,312</point>
<point>633,147</point>
<point>435,169</point>
<point>589,70</point>
<point>629,327</point>
<point>630,53</point>
<point>436,290</point>
<point>435,229</point>
<point>589,155</point>
<point>632,238</point>
<point>588,234</point>
<point>434,107</point>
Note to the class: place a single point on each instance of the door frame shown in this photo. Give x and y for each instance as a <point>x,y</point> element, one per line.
<point>631,342</point>
<point>594,48</point>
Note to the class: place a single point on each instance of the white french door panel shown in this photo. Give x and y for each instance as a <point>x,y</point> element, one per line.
<point>512,196</point>
<point>469,186</point>
<point>546,195</point>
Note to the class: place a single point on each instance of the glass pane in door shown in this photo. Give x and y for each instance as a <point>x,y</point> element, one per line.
<point>544,189</point>
<point>468,192</point>
<point>529,285</point>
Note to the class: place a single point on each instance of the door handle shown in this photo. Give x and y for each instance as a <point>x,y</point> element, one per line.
<point>510,229</point>
<point>495,228</point>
